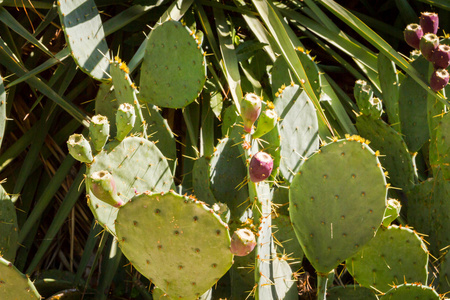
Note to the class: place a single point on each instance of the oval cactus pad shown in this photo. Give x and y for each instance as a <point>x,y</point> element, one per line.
<point>83,28</point>
<point>337,202</point>
<point>137,166</point>
<point>175,241</point>
<point>14,284</point>
<point>174,70</point>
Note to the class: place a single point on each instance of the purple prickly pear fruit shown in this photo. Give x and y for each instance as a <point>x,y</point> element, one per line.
<point>439,79</point>
<point>243,242</point>
<point>413,33</point>
<point>103,186</point>
<point>428,44</point>
<point>441,57</point>
<point>250,110</point>
<point>429,22</point>
<point>261,166</point>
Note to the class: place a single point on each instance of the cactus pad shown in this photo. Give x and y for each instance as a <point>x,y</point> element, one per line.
<point>2,110</point>
<point>341,185</point>
<point>136,165</point>
<point>9,230</point>
<point>395,156</point>
<point>14,284</point>
<point>411,291</point>
<point>188,249</point>
<point>443,145</point>
<point>83,28</point>
<point>394,255</point>
<point>350,292</point>
<point>298,129</point>
<point>444,274</point>
<point>174,70</point>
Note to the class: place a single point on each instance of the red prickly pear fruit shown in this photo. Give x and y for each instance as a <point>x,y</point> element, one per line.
<point>243,242</point>
<point>413,33</point>
<point>429,22</point>
<point>441,57</point>
<point>428,44</point>
<point>439,79</point>
<point>103,186</point>
<point>261,166</point>
<point>250,110</point>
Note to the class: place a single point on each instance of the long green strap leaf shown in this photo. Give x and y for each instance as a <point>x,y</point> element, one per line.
<point>373,38</point>
<point>274,23</point>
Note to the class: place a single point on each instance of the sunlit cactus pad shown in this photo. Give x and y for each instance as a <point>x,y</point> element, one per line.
<point>83,28</point>
<point>14,284</point>
<point>174,70</point>
<point>341,185</point>
<point>9,231</point>
<point>394,255</point>
<point>136,165</point>
<point>411,291</point>
<point>175,241</point>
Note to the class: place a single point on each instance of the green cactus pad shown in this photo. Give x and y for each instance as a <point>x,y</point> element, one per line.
<point>413,108</point>
<point>174,70</point>
<point>228,175</point>
<point>14,284</point>
<point>393,256</point>
<point>188,249</point>
<point>200,181</point>
<point>9,231</point>
<point>83,28</point>
<point>392,212</point>
<point>98,132</point>
<point>443,145</point>
<point>298,129</point>
<point>395,156</point>
<point>126,91</point>
<point>444,274</point>
<point>136,164</point>
<point>411,291</point>
<point>337,202</point>
<point>427,211</point>
<point>350,292</point>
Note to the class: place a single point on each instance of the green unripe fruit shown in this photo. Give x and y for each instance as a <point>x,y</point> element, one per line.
<point>99,131</point>
<point>363,94</point>
<point>79,148</point>
<point>103,186</point>
<point>125,119</point>
<point>250,110</point>
<point>266,123</point>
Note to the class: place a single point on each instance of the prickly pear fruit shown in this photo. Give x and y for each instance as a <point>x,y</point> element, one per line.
<point>103,187</point>
<point>99,131</point>
<point>428,44</point>
<point>441,57</point>
<point>392,212</point>
<point>439,79</point>
<point>125,119</point>
<point>79,148</point>
<point>364,96</point>
<point>250,110</point>
<point>429,22</point>
<point>413,33</point>
<point>266,123</point>
<point>261,166</point>
<point>243,242</point>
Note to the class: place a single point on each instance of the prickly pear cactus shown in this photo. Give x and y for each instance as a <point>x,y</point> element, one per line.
<point>84,33</point>
<point>350,292</point>
<point>394,255</point>
<point>341,185</point>
<point>9,231</point>
<point>443,145</point>
<point>411,291</point>
<point>174,70</point>
<point>395,157</point>
<point>14,284</point>
<point>298,129</point>
<point>444,274</point>
<point>188,250</point>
